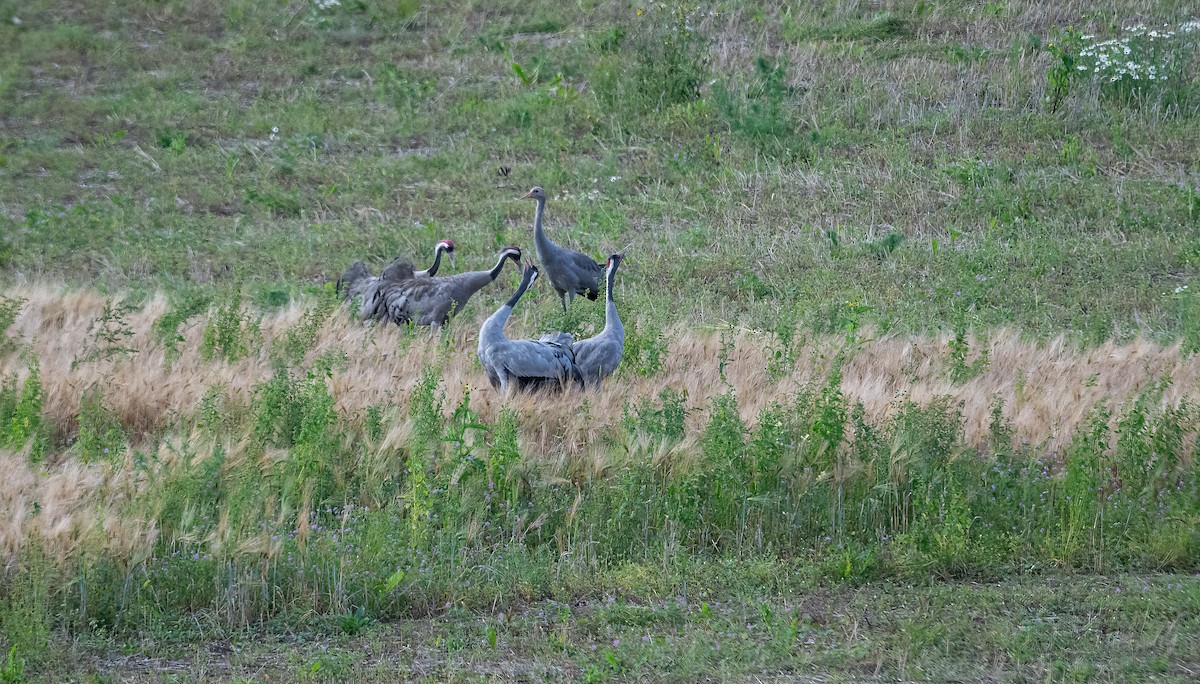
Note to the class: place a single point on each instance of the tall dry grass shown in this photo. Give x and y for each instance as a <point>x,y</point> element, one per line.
<point>1048,387</point>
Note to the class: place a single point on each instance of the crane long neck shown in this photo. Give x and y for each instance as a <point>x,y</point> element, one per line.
<point>539,235</point>
<point>525,283</point>
<point>611,318</point>
<point>437,259</point>
<point>495,272</point>
<point>493,328</point>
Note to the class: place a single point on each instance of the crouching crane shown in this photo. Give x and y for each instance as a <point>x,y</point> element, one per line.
<point>547,362</point>
<point>358,282</point>
<point>431,301</point>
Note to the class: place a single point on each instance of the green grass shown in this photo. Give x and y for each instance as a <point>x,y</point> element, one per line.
<point>721,623</point>
<point>137,154</point>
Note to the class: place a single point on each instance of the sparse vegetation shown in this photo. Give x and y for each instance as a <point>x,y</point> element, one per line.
<point>910,380</point>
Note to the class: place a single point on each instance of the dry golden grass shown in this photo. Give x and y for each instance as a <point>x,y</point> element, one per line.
<point>1047,387</point>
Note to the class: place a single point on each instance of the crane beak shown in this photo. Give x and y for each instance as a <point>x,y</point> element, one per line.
<point>527,195</point>
<point>451,255</point>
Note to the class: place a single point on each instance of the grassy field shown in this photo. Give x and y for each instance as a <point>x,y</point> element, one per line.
<point>910,389</point>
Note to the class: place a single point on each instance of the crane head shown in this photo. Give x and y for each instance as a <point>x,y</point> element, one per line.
<point>614,260</point>
<point>535,193</point>
<point>513,253</point>
<point>447,246</point>
<point>531,272</point>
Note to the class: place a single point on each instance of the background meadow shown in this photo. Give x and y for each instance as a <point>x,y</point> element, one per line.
<point>910,387</point>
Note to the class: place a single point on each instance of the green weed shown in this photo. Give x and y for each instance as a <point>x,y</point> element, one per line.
<point>21,415</point>
<point>100,436</point>
<point>230,333</point>
<point>672,57</point>
<point>9,308</point>
<point>110,333</point>
<point>166,329</point>
<point>761,115</point>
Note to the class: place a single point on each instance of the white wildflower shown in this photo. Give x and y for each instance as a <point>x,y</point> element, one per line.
<point>1180,289</point>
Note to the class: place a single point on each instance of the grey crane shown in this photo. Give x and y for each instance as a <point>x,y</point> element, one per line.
<point>357,281</point>
<point>354,281</point>
<point>545,363</point>
<point>431,301</point>
<point>598,356</point>
<point>570,272</point>
<point>370,308</point>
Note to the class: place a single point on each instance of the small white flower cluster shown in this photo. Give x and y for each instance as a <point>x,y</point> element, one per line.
<point>1189,26</point>
<point>1114,59</point>
<point>274,137</point>
<point>1181,289</point>
<point>326,4</point>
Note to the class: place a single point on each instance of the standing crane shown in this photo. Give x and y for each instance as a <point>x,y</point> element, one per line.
<point>431,301</point>
<point>570,272</point>
<point>598,356</point>
<point>547,362</point>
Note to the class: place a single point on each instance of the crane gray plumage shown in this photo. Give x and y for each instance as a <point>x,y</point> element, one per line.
<point>431,301</point>
<point>597,357</point>
<point>570,272</point>
<point>399,269</point>
<point>358,281</point>
<point>354,281</point>
<point>370,308</point>
<point>547,362</point>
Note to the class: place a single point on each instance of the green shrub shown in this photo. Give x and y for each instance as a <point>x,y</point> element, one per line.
<point>230,333</point>
<point>110,335</point>
<point>760,113</point>
<point>9,308</point>
<point>166,328</point>
<point>291,347</point>
<point>100,435</point>
<point>21,415</point>
<point>672,57</point>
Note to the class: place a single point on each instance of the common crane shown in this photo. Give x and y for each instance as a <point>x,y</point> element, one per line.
<point>570,272</point>
<point>547,362</point>
<point>431,301</point>
<point>598,356</point>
